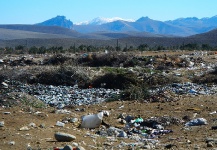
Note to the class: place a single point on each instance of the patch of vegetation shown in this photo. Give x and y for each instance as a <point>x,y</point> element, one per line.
<point>56,60</point>
<point>63,75</point>
<point>115,70</point>
<point>157,79</point>
<point>30,101</point>
<point>115,81</point>
<point>112,59</point>
<point>209,78</point>
<point>22,100</point>
<point>136,92</point>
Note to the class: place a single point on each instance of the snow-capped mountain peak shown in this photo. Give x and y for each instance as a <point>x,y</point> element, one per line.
<point>102,20</point>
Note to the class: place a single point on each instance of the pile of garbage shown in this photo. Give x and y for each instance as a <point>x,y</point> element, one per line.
<point>145,132</point>
<point>172,92</point>
<point>61,96</point>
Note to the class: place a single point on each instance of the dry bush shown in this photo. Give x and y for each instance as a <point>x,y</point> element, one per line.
<point>56,60</point>
<point>115,81</point>
<point>160,80</point>
<point>63,75</point>
<point>210,77</point>
<point>113,59</point>
<point>136,92</point>
<point>23,100</point>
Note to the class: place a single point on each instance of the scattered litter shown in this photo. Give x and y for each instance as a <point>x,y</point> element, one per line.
<point>214,112</point>
<point>197,122</point>
<point>60,124</point>
<point>2,123</point>
<point>93,121</point>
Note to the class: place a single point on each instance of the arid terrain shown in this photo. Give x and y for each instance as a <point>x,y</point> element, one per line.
<point>29,125</point>
<point>43,138</point>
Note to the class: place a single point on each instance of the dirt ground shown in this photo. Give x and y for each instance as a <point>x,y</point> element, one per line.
<point>43,138</point>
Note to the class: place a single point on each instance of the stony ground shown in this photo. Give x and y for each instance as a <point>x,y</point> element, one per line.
<point>17,134</point>
<point>42,136</point>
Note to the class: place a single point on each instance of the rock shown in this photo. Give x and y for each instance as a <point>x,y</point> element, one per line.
<point>62,111</point>
<point>74,144</point>
<point>74,120</point>
<point>68,147</point>
<point>64,137</point>
<point>42,125</point>
<point>32,125</point>
<point>188,141</point>
<point>11,143</point>
<point>196,147</point>
<point>24,128</point>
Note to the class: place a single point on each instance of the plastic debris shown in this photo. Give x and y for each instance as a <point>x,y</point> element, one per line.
<point>197,122</point>
<point>93,121</point>
<point>60,124</point>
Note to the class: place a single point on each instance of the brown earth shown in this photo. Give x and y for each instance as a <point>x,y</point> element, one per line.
<point>43,138</point>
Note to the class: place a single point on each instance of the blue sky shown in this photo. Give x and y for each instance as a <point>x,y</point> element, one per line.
<point>35,11</point>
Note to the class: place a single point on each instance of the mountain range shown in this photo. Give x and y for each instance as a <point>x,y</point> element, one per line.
<point>103,32</point>
<point>178,27</point>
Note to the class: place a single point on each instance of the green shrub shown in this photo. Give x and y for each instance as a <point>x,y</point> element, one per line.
<point>133,92</point>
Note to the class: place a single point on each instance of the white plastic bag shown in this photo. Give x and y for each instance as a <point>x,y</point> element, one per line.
<point>93,121</point>
<point>197,122</point>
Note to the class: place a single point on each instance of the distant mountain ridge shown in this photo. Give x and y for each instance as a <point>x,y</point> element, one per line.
<point>115,28</point>
<point>102,20</point>
<point>60,21</point>
<point>178,27</point>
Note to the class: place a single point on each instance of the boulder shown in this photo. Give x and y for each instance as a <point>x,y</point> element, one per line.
<point>64,137</point>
